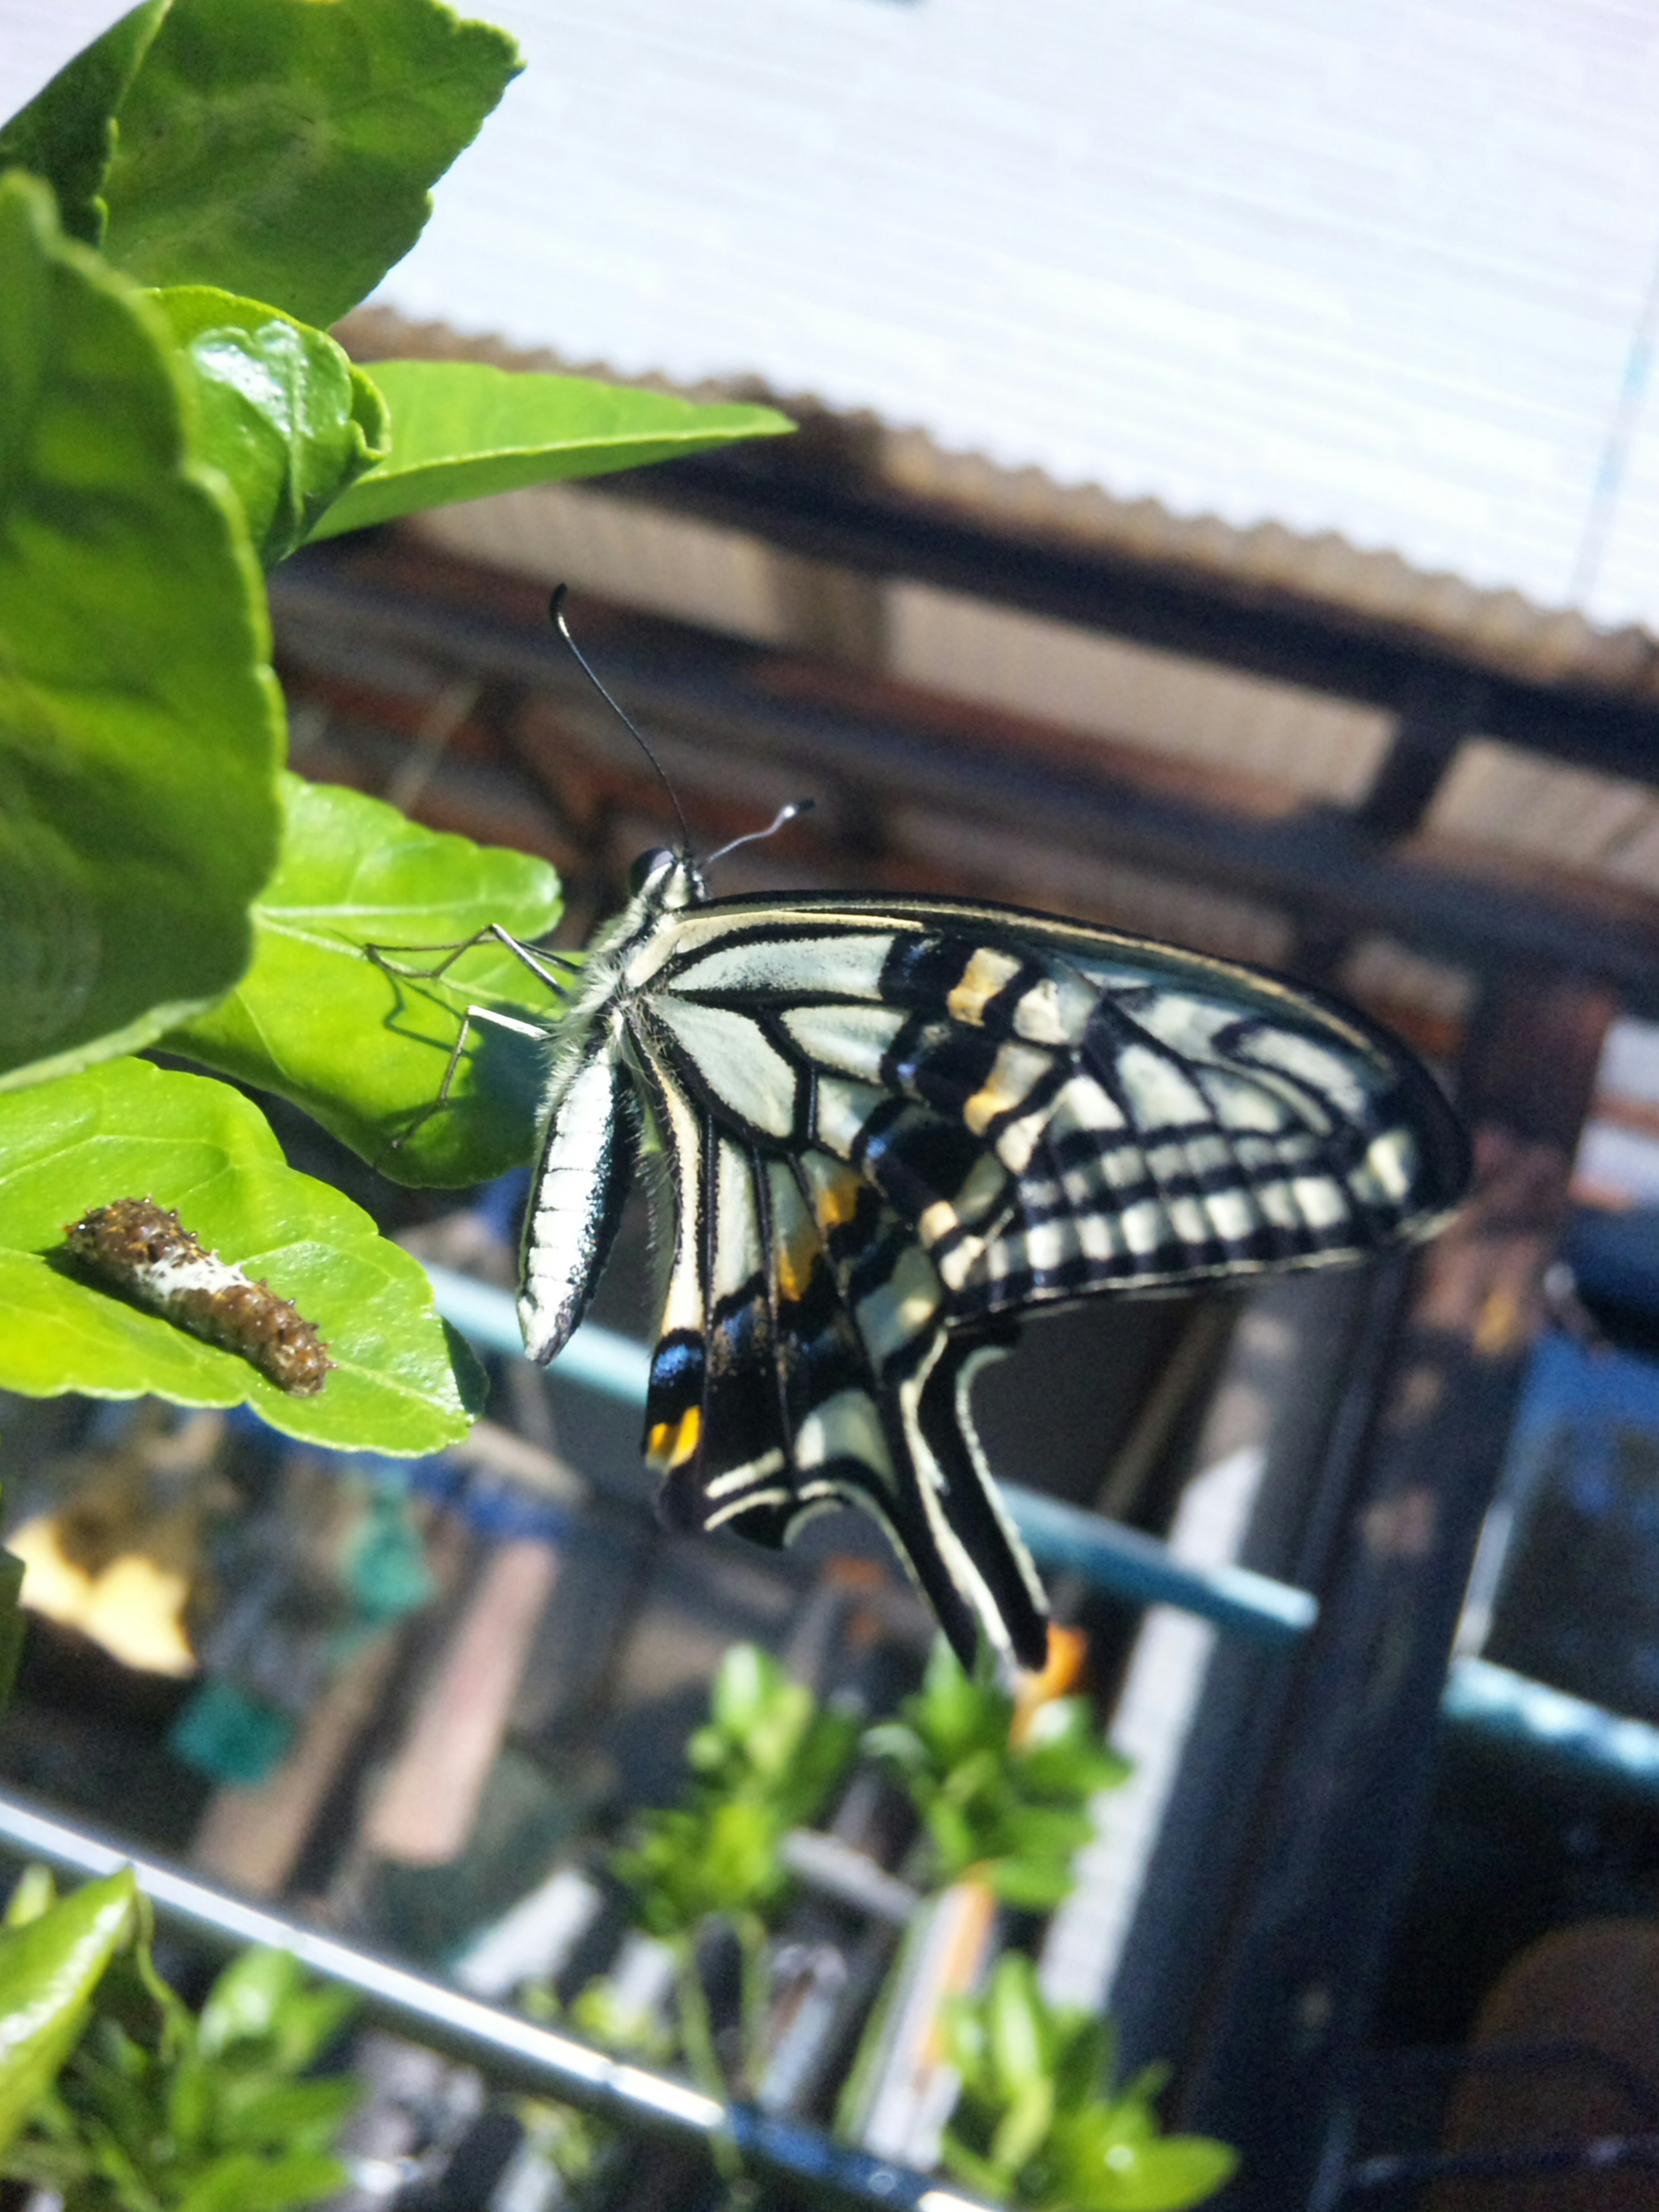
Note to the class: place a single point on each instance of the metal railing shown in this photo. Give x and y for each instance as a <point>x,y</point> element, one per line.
<point>515,2052</point>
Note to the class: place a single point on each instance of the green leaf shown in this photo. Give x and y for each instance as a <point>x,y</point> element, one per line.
<point>48,1970</point>
<point>281,410</point>
<point>245,2004</point>
<point>140,724</point>
<point>270,2114</point>
<point>364,1052</point>
<point>244,2182</point>
<point>968,2166</point>
<point>1035,1884</point>
<point>36,1893</point>
<point>67,133</point>
<point>1014,2017</point>
<point>1098,2168</point>
<point>461,430</point>
<point>284,150</point>
<point>401,1382</point>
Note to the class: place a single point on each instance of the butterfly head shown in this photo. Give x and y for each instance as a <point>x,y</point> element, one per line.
<point>666,880</point>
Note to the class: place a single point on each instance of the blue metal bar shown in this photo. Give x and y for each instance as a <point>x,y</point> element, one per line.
<point>1140,1570</point>
<point>1509,1708</point>
<point>598,1359</point>
<point>514,2053</point>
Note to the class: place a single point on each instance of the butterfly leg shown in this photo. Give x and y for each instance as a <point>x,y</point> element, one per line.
<point>540,963</point>
<point>473,1014</point>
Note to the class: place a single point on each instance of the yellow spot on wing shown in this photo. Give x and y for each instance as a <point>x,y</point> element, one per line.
<point>837,1200</point>
<point>982,978</point>
<point>796,1256</point>
<point>1015,1073</point>
<point>671,1444</point>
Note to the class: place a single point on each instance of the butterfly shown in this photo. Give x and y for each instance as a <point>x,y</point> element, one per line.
<point>888,1127</point>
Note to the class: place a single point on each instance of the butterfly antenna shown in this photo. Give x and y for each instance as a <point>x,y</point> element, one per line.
<point>555,612</point>
<point>755,837</point>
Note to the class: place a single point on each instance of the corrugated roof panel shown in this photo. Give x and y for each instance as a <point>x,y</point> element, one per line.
<point>1501,629</point>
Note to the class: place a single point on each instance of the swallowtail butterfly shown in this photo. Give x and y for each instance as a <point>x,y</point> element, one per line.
<point>145,1250</point>
<point>890,1127</point>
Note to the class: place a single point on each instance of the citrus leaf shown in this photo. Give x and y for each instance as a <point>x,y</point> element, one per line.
<point>49,1968</point>
<point>140,725</point>
<point>281,410</point>
<point>364,1052</point>
<point>461,430</point>
<point>67,133</point>
<point>401,1383</point>
<point>284,150</point>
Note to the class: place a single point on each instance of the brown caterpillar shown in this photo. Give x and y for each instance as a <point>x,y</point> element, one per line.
<point>143,1250</point>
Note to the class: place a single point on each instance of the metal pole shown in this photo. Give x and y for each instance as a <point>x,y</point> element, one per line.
<point>514,2053</point>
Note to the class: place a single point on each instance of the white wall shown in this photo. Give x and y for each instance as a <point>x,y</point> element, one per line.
<point>1374,266</point>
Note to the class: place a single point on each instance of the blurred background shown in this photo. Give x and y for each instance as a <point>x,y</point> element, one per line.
<point>1225,507</point>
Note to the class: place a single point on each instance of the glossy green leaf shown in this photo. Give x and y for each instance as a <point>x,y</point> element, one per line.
<point>49,1968</point>
<point>461,430</point>
<point>67,133</point>
<point>362,1051</point>
<point>284,150</point>
<point>402,1383</point>
<point>140,725</point>
<point>280,410</point>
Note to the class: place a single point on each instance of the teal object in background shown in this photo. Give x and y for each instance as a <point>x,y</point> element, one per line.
<point>225,1732</point>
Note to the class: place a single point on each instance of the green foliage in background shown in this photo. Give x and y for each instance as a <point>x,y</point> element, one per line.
<point>182,210</point>
<point>1039,2125</point>
<point>766,1762</point>
<point>465,430</point>
<point>1004,1801</point>
<point>162,2110</point>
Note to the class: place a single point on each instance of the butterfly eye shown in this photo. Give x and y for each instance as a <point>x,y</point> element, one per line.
<point>648,864</point>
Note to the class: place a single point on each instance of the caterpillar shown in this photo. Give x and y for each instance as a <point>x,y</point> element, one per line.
<point>144,1249</point>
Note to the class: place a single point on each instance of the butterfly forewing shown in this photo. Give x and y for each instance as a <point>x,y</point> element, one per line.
<point>890,1126</point>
